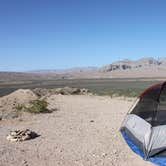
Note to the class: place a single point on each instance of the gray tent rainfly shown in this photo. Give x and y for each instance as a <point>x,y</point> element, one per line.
<point>144,128</point>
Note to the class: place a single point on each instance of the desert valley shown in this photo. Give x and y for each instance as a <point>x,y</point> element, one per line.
<point>85,109</point>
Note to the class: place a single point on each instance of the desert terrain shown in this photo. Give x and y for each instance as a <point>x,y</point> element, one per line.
<point>70,71</point>
<point>83,130</point>
<point>147,67</point>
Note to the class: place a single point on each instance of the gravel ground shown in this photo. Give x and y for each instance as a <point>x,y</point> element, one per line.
<point>84,131</point>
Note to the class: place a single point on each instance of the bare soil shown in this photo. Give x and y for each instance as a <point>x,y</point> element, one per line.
<point>84,131</point>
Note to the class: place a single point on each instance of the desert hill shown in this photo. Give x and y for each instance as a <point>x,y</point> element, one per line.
<point>9,102</point>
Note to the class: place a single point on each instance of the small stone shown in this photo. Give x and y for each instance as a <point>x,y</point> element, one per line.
<point>24,161</point>
<point>104,154</point>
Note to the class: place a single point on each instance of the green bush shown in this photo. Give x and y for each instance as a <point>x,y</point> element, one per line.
<point>35,106</point>
<point>38,106</point>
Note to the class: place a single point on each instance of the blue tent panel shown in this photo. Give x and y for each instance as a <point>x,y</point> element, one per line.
<point>160,161</point>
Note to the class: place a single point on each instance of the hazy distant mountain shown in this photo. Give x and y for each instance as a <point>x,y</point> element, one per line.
<point>162,61</point>
<point>70,70</point>
<point>20,76</point>
<point>143,63</point>
<point>145,67</point>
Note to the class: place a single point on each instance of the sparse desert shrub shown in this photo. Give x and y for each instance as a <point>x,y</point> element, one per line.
<point>121,92</point>
<point>109,93</point>
<point>19,107</point>
<point>35,106</point>
<point>38,106</point>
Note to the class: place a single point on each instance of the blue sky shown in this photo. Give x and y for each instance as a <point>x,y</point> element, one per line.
<point>56,34</point>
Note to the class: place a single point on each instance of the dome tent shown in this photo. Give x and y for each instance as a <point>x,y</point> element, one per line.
<point>144,128</point>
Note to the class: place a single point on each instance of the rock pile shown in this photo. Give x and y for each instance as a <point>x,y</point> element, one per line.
<point>21,135</point>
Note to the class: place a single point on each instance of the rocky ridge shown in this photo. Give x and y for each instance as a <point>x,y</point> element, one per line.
<point>138,64</point>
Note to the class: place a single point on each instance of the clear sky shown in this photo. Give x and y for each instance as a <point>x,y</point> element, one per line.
<point>55,34</point>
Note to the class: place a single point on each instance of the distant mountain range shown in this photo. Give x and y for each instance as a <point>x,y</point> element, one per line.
<point>143,63</point>
<point>145,67</point>
<point>70,70</point>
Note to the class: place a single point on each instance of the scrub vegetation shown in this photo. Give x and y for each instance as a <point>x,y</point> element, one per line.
<point>35,106</point>
<point>112,87</point>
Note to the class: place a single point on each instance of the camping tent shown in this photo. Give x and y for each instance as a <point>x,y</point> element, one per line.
<point>144,128</point>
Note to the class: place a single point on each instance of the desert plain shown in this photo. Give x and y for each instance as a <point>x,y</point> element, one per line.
<point>83,130</point>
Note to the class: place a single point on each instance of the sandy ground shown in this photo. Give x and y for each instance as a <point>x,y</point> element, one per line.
<point>84,131</point>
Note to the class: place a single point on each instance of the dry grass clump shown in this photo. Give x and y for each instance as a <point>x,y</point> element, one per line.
<point>35,106</point>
